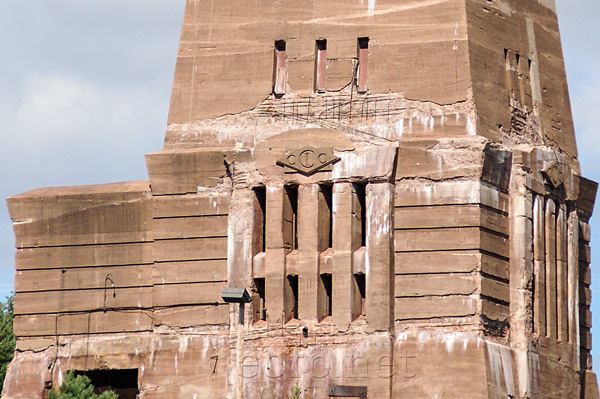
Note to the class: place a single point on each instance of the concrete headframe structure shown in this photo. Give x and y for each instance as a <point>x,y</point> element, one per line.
<point>395,183</point>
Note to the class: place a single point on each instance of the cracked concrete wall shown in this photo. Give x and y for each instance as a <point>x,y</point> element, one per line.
<point>492,68</point>
<point>210,81</point>
<point>454,269</point>
<point>224,74</point>
<point>459,256</point>
<point>518,74</point>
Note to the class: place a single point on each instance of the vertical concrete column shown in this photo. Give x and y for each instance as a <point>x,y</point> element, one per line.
<point>342,255</point>
<point>521,273</point>
<point>358,248</point>
<point>240,227</point>
<point>551,308</point>
<point>380,256</point>
<point>324,233</point>
<point>275,256</point>
<point>583,338</point>
<point>561,272</point>
<point>573,281</point>
<point>239,268</point>
<point>308,251</point>
<point>539,259</point>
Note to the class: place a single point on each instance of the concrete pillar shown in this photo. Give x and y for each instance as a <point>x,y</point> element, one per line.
<point>539,259</point>
<point>342,255</point>
<point>275,257</point>
<point>573,283</point>
<point>521,273</point>
<point>239,256</point>
<point>380,256</point>
<point>308,251</point>
<point>551,308</point>
<point>561,272</point>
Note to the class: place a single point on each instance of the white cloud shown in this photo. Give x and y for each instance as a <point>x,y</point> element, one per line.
<point>85,89</point>
<point>58,109</point>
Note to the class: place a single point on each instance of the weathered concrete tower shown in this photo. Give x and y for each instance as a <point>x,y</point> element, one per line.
<point>395,183</point>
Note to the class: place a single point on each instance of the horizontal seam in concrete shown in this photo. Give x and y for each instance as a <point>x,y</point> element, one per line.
<point>90,244</point>
<point>208,215</point>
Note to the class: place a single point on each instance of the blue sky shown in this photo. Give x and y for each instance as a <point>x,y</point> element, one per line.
<point>85,89</point>
<point>580,34</point>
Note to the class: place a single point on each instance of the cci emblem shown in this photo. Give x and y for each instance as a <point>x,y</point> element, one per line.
<point>555,173</point>
<point>308,160</point>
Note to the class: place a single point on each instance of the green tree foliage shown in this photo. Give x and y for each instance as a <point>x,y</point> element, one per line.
<point>79,387</point>
<point>296,392</point>
<point>7,338</point>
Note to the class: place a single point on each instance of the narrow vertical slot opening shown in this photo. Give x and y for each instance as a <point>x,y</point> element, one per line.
<point>520,75</point>
<point>279,68</point>
<point>327,281</point>
<point>363,60</point>
<point>361,212</point>
<point>293,300</point>
<point>530,66</point>
<point>360,281</point>
<point>320,65</point>
<point>259,302</point>
<point>260,219</point>
<point>325,217</point>
<point>507,74</point>
<point>290,218</point>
